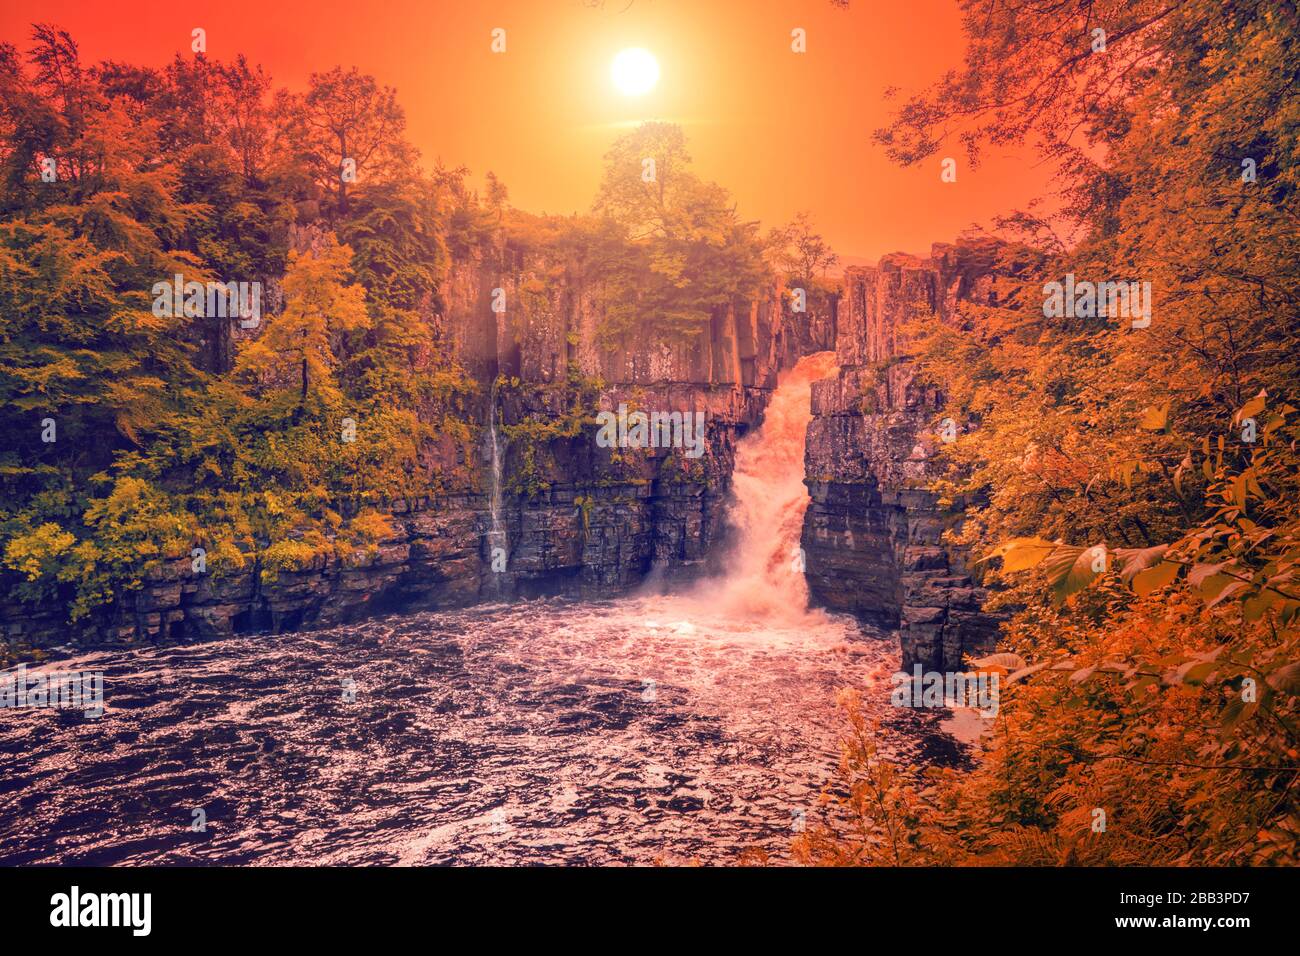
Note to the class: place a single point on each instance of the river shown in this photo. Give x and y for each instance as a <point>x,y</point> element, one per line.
<point>642,728</point>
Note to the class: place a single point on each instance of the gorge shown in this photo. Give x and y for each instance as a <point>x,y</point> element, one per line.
<point>572,518</point>
<point>590,482</point>
<point>633,657</point>
<point>669,723</point>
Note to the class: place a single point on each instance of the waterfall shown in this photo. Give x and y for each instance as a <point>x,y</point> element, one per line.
<point>497,536</point>
<point>764,577</point>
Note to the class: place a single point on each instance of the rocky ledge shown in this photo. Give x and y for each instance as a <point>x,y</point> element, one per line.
<point>572,517</point>
<point>873,534</point>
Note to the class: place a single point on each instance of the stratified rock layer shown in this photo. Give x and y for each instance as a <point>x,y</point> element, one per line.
<point>577,518</point>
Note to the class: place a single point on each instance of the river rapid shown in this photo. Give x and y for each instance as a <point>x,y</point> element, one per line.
<point>641,728</point>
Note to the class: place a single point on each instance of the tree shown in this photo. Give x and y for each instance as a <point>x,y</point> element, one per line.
<point>59,74</point>
<point>800,252</point>
<point>31,129</point>
<point>347,119</point>
<point>301,345</point>
<point>648,188</point>
<point>688,252</point>
<point>497,195</point>
<point>242,103</point>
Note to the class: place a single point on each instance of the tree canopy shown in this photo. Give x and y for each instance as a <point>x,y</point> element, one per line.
<point>1134,486</point>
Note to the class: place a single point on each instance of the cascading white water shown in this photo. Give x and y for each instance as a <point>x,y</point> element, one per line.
<point>764,577</point>
<point>497,536</point>
<point>678,726</point>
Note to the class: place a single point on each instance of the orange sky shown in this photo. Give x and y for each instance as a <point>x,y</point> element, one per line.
<point>782,131</point>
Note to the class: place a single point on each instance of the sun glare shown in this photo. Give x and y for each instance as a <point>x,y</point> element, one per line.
<point>635,71</point>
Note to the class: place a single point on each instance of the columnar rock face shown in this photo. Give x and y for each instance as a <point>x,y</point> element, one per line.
<point>577,516</point>
<point>550,321</point>
<point>872,534</point>
<point>574,517</point>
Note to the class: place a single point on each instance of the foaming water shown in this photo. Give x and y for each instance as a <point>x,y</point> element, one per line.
<point>620,731</point>
<point>764,579</point>
<point>626,730</point>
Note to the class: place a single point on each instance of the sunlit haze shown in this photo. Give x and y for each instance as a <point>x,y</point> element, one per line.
<point>783,132</point>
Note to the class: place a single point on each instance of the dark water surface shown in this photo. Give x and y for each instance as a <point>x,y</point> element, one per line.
<point>621,731</point>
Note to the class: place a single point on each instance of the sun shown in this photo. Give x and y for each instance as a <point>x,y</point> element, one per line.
<point>634,71</point>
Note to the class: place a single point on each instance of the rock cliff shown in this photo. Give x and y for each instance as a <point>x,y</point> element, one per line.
<point>572,517</point>
<point>873,534</point>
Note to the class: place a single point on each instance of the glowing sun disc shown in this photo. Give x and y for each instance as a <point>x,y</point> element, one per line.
<point>634,71</point>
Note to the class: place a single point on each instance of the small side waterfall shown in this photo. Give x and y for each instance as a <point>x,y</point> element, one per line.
<point>496,537</point>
